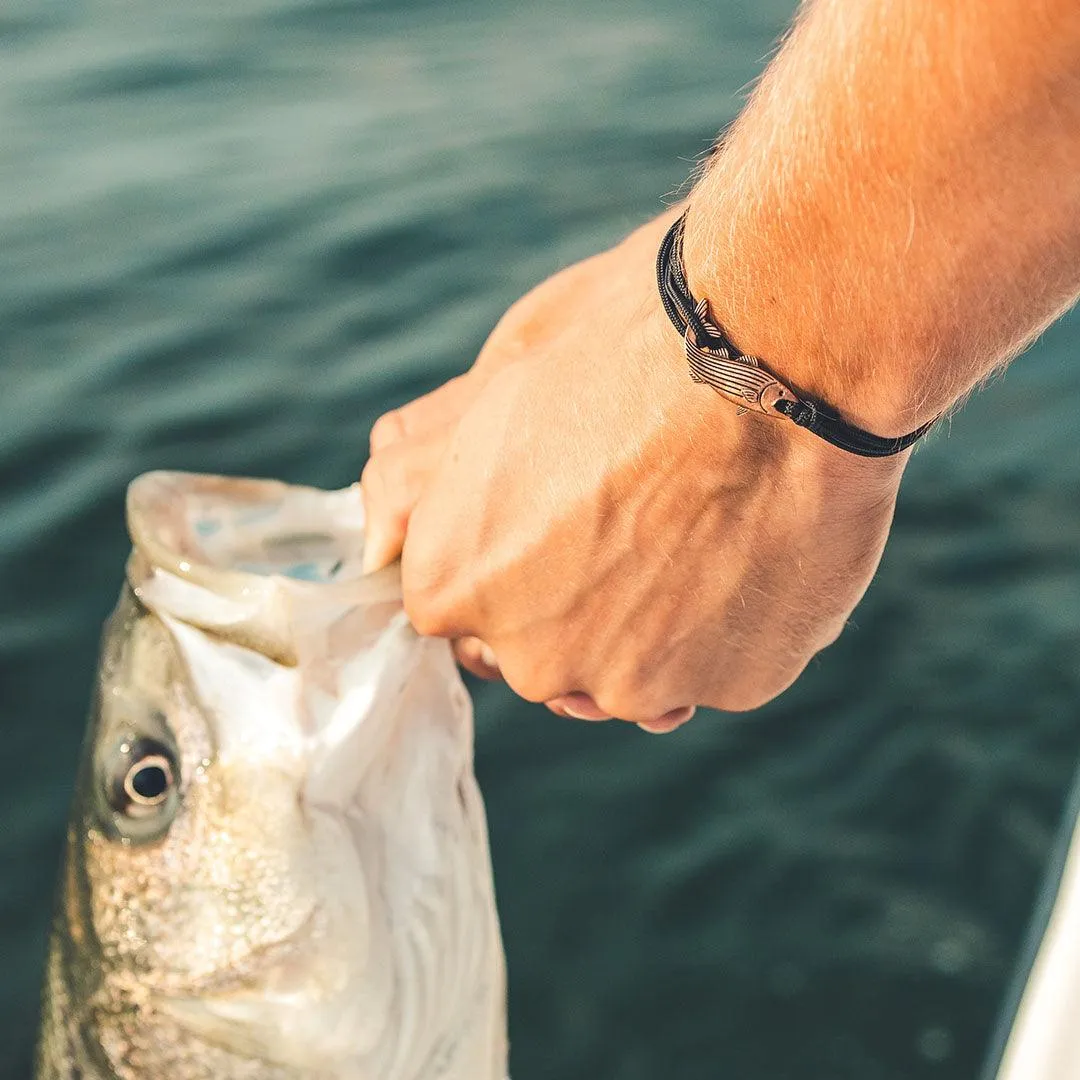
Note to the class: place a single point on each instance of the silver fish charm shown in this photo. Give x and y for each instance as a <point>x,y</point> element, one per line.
<point>277,864</point>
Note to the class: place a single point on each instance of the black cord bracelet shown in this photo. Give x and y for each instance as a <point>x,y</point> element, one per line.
<point>715,360</point>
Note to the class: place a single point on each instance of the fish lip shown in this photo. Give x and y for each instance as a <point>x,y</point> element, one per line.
<point>172,571</point>
<point>154,496</point>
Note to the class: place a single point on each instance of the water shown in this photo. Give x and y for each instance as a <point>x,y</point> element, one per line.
<point>233,232</point>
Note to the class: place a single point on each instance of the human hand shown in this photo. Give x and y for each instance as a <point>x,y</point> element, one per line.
<point>615,531</point>
<point>408,443</point>
<point>624,543</point>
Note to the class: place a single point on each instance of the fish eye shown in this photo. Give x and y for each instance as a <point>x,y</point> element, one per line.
<point>147,782</point>
<point>142,786</point>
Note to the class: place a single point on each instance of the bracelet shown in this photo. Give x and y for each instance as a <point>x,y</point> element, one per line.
<point>715,360</point>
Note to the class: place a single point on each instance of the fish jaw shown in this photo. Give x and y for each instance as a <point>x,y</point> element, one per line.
<point>300,1008</point>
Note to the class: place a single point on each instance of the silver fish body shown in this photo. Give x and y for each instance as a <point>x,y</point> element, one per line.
<point>277,863</point>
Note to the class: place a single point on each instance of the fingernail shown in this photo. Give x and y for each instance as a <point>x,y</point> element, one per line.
<point>487,654</point>
<point>669,721</point>
<point>581,707</point>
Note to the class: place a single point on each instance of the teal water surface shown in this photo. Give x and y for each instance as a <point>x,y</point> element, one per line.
<point>233,232</point>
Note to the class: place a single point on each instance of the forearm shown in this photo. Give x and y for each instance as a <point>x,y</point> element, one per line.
<point>897,211</point>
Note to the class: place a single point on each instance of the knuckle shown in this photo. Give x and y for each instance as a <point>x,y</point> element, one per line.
<point>636,696</point>
<point>429,611</point>
<point>389,428</point>
<point>432,595</point>
<point>441,406</point>
<point>529,679</point>
<point>634,708</point>
<point>476,657</point>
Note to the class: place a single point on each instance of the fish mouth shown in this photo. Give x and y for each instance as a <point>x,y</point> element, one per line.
<point>238,557</point>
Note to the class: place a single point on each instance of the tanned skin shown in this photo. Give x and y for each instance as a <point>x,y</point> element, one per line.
<point>895,214</point>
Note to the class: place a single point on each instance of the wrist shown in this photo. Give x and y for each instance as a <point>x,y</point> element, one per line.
<point>785,308</point>
<point>783,452</point>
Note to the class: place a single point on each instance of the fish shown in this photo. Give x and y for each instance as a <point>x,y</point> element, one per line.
<point>277,863</point>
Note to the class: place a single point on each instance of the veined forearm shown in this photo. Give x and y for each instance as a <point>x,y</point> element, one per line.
<point>897,211</point>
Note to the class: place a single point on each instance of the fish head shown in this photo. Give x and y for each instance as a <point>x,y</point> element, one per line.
<point>277,861</point>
